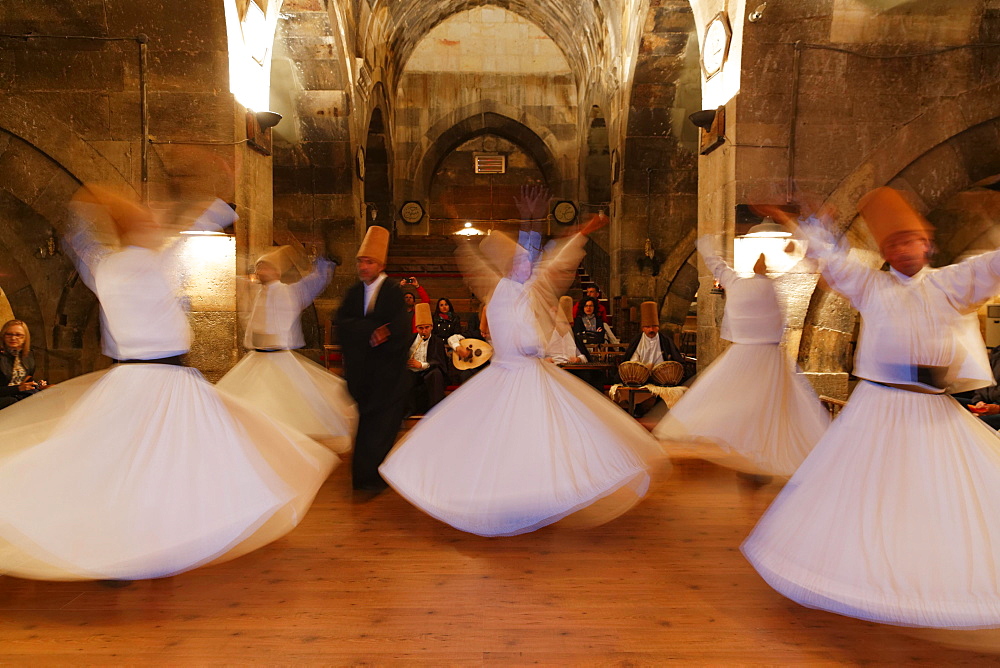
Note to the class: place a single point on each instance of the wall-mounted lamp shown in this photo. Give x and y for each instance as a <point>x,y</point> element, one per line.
<point>650,259</point>
<point>757,14</point>
<point>267,119</point>
<point>713,128</point>
<point>704,118</point>
<point>771,239</point>
<point>48,250</point>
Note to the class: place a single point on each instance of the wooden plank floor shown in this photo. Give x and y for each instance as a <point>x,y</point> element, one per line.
<point>376,582</point>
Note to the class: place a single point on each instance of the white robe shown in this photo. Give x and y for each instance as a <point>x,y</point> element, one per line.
<point>523,443</point>
<point>895,516</point>
<point>283,384</point>
<point>144,470</point>
<point>749,409</point>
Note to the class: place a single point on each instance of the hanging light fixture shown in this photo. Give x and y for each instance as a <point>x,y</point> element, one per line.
<point>770,239</point>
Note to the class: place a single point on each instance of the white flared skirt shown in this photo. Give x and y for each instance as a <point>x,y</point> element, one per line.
<point>520,446</point>
<point>144,471</point>
<point>749,411</point>
<point>893,518</point>
<point>297,391</point>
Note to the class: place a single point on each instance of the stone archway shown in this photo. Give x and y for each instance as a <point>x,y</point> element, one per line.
<point>944,151</point>
<point>39,284</point>
<point>377,184</point>
<point>656,189</point>
<point>484,117</point>
<point>597,161</point>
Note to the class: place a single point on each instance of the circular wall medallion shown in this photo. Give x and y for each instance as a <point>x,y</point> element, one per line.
<point>412,212</point>
<point>564,212</point>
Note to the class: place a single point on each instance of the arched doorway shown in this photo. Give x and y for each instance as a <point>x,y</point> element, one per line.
<point>377,183</point>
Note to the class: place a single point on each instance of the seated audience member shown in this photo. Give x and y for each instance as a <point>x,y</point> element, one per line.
<point>428,362</point>
<point>986,400</point>
<point>595,292</point>
<point>589,325</point>
<point>446,322</point>
<point>17,365</point>
<point>565,346</point>
<point>652,346</point>
<point>475,328</point>
<point>410,299</point>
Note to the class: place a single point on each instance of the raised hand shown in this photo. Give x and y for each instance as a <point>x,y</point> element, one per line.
<point>533,202</point>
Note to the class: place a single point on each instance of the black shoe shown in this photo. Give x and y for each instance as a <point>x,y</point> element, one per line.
<point>114,584</point>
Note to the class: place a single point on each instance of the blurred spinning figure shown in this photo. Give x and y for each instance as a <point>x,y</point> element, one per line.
<point>143,470</point>
<point>770,418</point>
<point>523,444</point>
<point>282,383</point>
<point>895,515</point>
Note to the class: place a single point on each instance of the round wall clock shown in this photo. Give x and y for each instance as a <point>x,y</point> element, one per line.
<point>360,163</point>
<point>564,212</point>
<point>715,46</point>
<point>412,212</point>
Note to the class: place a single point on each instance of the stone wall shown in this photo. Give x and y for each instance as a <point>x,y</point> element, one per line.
<point>837,98</point>
<point>486,70</point>
<point>110,92</point>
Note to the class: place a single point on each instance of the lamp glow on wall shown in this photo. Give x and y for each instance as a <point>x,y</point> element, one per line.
<point>771,239</point>
<point>251,37</point>
<point>207,263</point>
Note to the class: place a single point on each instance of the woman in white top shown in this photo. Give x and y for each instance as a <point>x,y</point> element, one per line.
<point>143,470</point>
<point>749,409</point>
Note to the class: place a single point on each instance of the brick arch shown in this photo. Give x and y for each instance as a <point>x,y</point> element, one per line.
<point>945,150</point>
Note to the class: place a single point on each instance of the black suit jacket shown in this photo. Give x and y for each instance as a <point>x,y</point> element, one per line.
<point>379,374</point>
<point>437,356</point>
<point>7,370</point>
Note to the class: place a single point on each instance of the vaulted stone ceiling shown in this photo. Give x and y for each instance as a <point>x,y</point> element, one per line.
<point>325,41</point>
<point>579,27</point>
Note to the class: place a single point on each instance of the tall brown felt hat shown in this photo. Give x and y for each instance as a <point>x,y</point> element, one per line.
<point>887,212</point>
<point>499,249</point>
<point>422,314</point>
<point>124,213</point>
<point>375,244</point>
<point>649,315</point>
<point>280,258</point>
<point>566,308</point>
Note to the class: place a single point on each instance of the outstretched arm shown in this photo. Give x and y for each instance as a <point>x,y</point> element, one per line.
<point>709,250</point>
<point>313,283</point>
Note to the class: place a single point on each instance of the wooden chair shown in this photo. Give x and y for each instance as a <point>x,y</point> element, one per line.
<point>832,405</point>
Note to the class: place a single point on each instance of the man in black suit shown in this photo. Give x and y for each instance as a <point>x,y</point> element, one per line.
<point>428,363</point>
<point>373,327</point>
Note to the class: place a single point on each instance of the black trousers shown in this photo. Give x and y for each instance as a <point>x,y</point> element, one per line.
<point>381,410</point>
<point>428,390</point>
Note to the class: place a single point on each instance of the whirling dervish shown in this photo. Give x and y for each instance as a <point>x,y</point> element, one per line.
<point>770,418</point>
<point>275,379</point>
<point>143,470</point>
<point>524,443</point>
<point>895,515</point>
